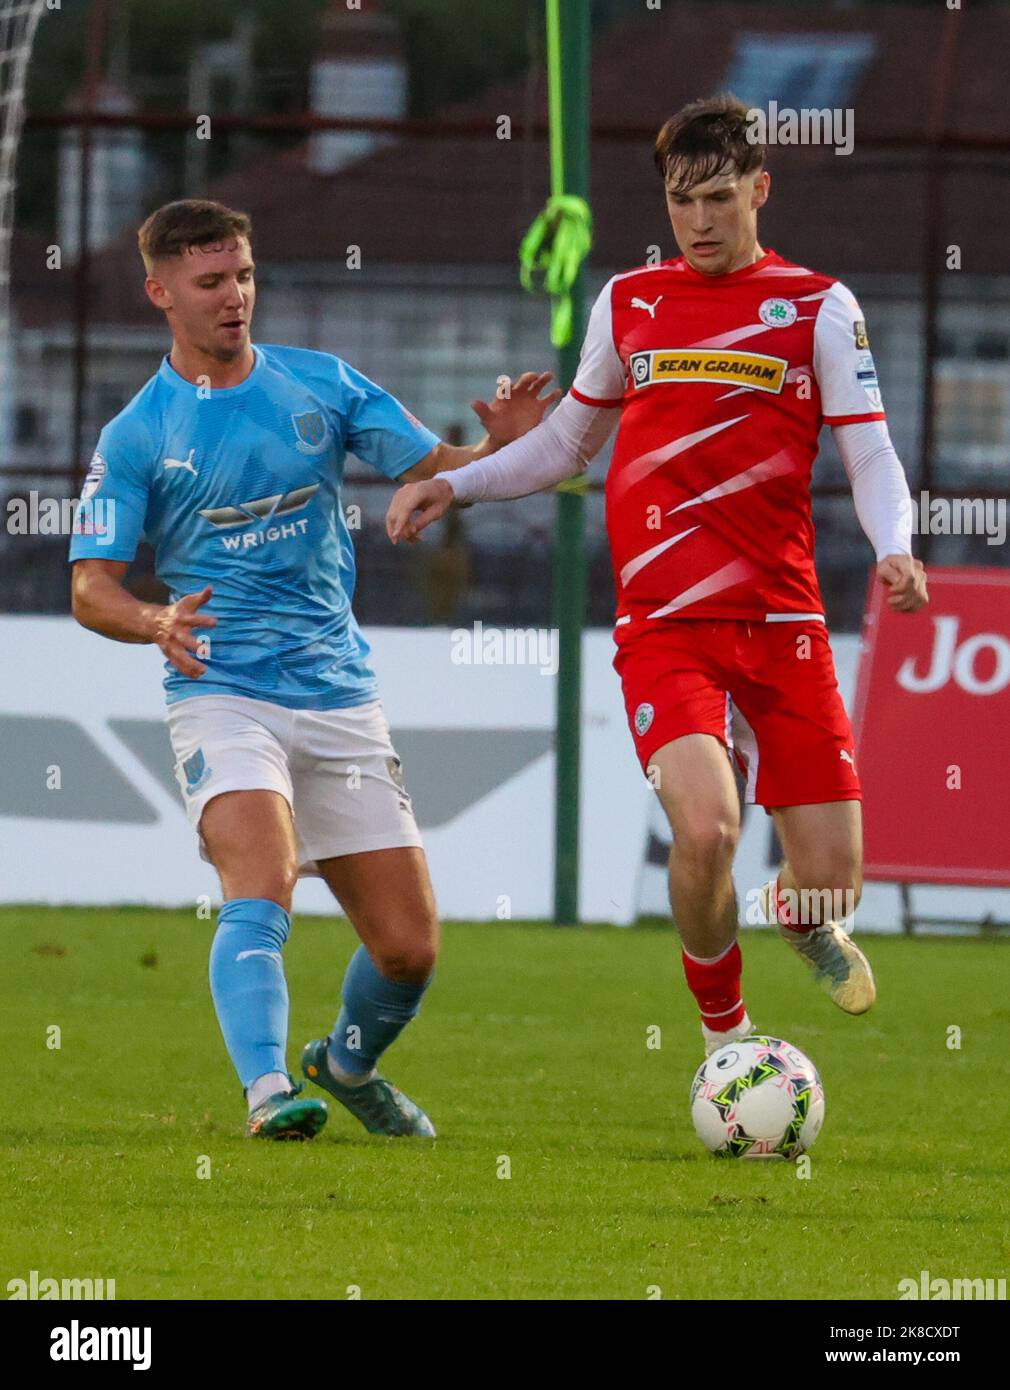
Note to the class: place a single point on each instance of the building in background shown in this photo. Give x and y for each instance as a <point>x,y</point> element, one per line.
<point>400,254</point>
<point>118,177</point>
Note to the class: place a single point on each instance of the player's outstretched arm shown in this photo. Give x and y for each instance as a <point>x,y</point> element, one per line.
<point>509,416</point>
<point>416,506</point>
<point>556,449</point>
<point>101,603</point>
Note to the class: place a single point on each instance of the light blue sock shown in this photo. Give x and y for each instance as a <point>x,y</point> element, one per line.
<point>374,1014</point>
<point>248,985</point>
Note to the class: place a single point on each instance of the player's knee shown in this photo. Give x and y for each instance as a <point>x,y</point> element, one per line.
<point>407,963</point>
<point>285,877</point>
<point>275,882</point>
<point>706,843</point>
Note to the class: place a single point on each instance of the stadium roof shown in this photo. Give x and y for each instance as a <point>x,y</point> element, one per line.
<point>454,200</point>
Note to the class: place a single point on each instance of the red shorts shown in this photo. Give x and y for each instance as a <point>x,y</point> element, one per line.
<point>767,691</point>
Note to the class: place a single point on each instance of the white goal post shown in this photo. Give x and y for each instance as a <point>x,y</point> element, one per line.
<point>18,21</point>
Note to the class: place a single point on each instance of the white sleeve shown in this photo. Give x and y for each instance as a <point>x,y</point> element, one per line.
<point>601,377</point>
<point>879,487</point>
<point>843,363</point>
<point>557,448</point>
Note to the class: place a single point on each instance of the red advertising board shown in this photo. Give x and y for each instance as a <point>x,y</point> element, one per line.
<point>932,730</point>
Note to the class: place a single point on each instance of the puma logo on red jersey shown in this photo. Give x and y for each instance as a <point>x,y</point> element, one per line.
<point>650,309</point>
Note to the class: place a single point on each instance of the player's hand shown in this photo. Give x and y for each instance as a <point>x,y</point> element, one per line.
<point>509,416</point>
<point>429,500</point>
<point>173,631</point>
<point>906,580</point>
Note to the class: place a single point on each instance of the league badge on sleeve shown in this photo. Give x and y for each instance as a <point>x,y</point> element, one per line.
<point>97,470</point>
<point>866,375</point>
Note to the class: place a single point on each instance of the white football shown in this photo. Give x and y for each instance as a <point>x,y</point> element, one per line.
<point>758,1097</point>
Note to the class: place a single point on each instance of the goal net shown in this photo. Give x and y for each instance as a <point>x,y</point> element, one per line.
<point>18,21</point>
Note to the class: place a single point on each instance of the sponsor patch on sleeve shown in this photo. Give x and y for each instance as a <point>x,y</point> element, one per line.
<point>860,334</point>
<point>866,370</point>
<point>866,377</point>
<point>97,470</point>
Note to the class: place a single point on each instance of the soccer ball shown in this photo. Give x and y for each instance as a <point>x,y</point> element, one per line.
<point>757,1098</point>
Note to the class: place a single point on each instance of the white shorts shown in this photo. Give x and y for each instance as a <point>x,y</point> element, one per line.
<point>337,770</point>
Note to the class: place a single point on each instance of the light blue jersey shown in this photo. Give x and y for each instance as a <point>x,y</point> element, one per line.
<point>239,488</point>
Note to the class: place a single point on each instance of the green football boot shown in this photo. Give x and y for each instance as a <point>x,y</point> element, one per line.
<point>380,1107</point>
<point>284,1116</point>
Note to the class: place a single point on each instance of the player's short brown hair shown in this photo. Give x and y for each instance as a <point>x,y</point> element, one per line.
<point>703,138</point>
<point>172,229</point>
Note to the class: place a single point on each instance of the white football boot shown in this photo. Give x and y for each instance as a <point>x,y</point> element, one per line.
<point>839,966</point>
<point>714,1040</point>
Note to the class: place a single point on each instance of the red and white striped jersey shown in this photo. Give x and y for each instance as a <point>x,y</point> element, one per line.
<point>724,382</point>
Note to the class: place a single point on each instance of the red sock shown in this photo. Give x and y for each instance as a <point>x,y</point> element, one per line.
<point>716,986</point>
<point>786,914</point>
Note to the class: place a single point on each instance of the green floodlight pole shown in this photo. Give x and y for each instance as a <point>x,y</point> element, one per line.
<point>568,42</point>
<point>551,257</point>
<point>568,50</point>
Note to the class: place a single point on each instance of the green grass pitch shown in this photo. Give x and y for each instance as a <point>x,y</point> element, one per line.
<point>530,1053</point>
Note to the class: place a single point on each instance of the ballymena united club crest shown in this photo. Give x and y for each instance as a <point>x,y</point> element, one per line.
<point>311,430</point>
<point>196,770</point>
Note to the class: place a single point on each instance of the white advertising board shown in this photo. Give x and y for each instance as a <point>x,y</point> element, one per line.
<point>89,810</point>
<point>90,813</point>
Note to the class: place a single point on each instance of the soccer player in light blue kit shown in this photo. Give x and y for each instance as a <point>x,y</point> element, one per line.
<point>230,460</point>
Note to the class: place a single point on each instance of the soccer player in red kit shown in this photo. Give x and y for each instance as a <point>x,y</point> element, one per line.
<point>720,367</point>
